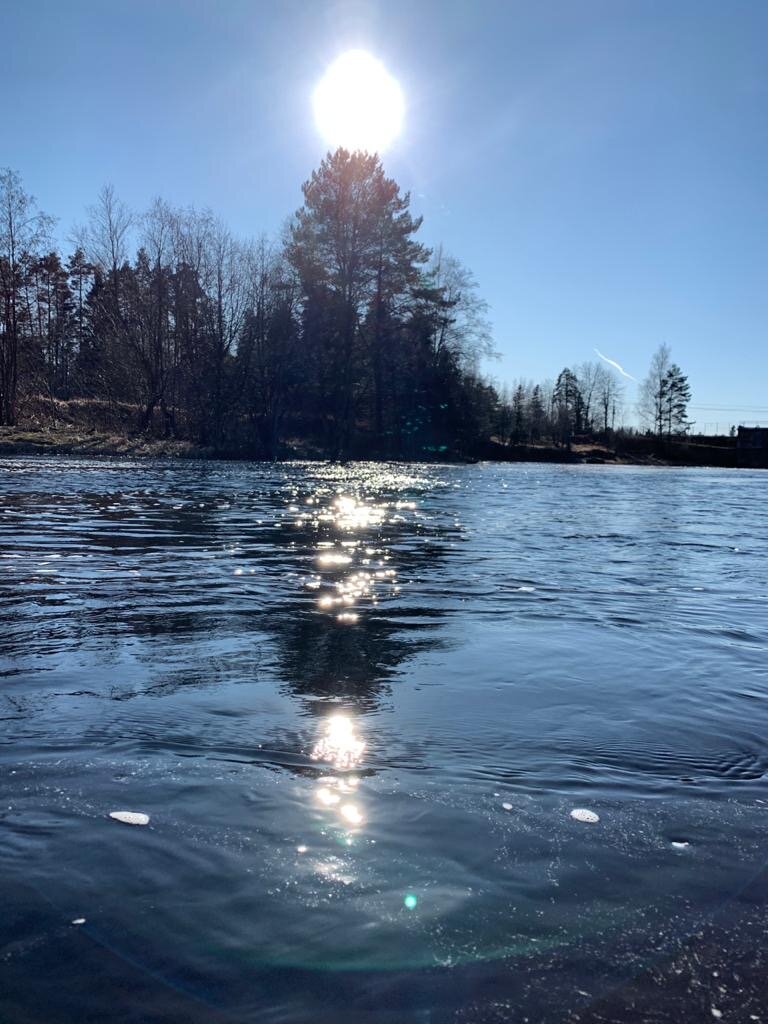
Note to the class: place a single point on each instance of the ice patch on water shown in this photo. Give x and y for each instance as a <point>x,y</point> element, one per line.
<point>582,814</point>
<point>130,817</point>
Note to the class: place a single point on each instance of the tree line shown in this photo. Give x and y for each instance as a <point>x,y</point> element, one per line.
<point>590,400</point>
<point>347,333</point>
<point>585,400</point>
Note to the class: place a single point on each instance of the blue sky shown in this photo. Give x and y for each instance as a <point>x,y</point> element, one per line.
<point>600,165</point>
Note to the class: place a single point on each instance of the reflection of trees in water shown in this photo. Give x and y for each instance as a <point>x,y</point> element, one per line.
<point>323,659</point>
<point>153,603</point>
<point>313,654</point>
<point>354,663</point>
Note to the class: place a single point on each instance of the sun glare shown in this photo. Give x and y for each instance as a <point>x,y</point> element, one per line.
<point>358,104</point>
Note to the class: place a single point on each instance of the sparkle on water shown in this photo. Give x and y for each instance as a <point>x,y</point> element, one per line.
<point>348,517</point>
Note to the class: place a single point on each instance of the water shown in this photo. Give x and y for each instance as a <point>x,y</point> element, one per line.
<point>359,705</point>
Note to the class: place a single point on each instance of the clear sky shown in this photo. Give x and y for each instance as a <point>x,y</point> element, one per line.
<point>600,165</point>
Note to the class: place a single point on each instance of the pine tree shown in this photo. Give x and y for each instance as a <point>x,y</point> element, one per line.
<point>80,274</point>
<point>536,414</point>
<point>518,415</point>
<point>568,405</point>
<point>351,245</point>
<point>676,396</point>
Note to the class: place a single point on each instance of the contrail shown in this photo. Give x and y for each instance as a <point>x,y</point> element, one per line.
<point>613,362</point>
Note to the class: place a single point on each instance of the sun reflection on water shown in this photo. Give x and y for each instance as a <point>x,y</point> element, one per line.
<point>342,748</point>
<point>345,515</point>
<point>334,558</point>
<point>340,745</point>
<point>354,515</point>
<point>350,556</point>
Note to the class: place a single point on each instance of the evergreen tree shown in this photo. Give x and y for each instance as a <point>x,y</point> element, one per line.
<point>568,405</point>
<point>351,245</point>
<point>51,300</point>
<point>676,394</point>
<point>80,280</point>
<point>536,414</point>
<point>518,415</point>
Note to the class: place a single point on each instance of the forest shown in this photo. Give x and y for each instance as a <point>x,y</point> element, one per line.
<point>346,336</point>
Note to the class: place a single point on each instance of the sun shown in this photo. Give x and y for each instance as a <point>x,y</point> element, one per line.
<point>358,104</point>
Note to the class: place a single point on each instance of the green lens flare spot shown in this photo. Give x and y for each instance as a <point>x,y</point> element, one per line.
<point>410,901</point>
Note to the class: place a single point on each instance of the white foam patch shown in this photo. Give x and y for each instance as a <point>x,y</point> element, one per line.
<point>582,814</point>
<point>130,817</point>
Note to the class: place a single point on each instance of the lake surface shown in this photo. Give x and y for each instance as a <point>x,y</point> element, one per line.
<point>359,704</point>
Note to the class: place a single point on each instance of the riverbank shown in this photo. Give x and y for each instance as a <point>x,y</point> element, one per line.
<point>634,450</point>
<point>51,441</point>
<point>638,451</point>
<point>91,427</point>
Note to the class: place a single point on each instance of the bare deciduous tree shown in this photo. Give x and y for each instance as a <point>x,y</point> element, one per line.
<point>467,332</point>
<point>105,237</point>
<point>23,231</point>
<point>650,404</point>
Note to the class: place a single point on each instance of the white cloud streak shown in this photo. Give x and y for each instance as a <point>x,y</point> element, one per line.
<point>612,362</point>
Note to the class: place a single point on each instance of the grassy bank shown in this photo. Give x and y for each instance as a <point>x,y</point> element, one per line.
<point>61,441</point>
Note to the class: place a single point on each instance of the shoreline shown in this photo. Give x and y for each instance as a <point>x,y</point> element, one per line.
<point>22,441</point>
